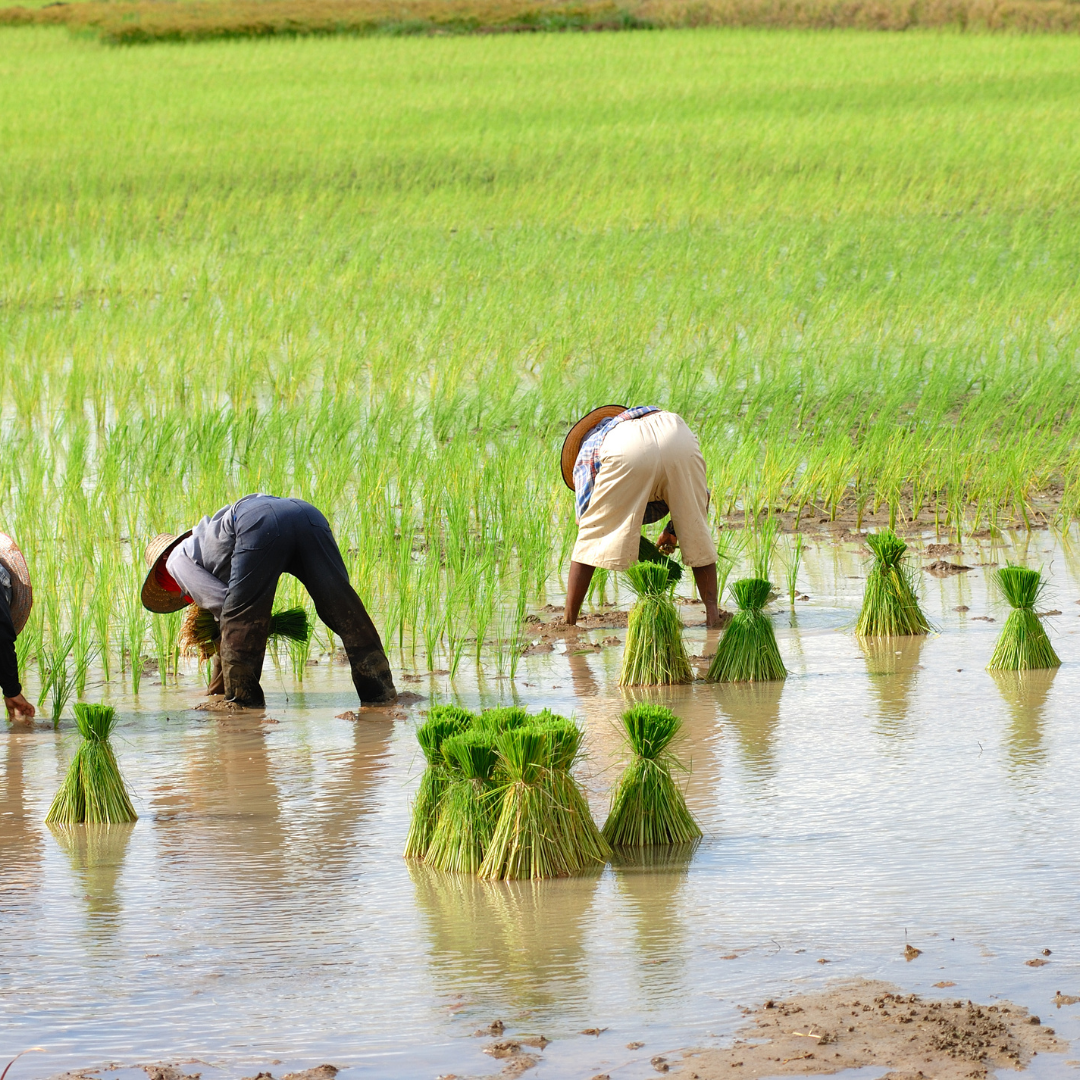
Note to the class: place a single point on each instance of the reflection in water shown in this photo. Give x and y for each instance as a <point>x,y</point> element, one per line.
<point>893,667</point>
<point>520,942</point>
<point>651,880</point>
<point>20,847</point>
<point>754,710</point>
<point>96,853</point>
<point>1025,694</point>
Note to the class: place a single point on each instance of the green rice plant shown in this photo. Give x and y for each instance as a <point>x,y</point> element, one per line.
<point>57,679</point>
<point>502,718</point>
<point>575,820</point>
<point>763,546</point>
<point>1023,644</point>
<point>647,806</point>
<point>93,790</point>
<point>527,841</point>
<point>890,605</point>
<point>791,570</point>
<point>649,552</point>
<point>443,721</point>
<point>469,805</point>
<point>654,654</point>
<point>747,650</point>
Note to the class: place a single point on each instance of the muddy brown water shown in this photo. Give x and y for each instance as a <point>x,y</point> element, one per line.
<point>259,915</point>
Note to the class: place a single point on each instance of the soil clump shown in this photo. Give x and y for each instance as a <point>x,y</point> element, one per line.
<point>873,1023</point>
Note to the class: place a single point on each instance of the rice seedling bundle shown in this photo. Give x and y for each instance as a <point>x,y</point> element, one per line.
<point>503,718</point>
<point>654,654</point>
<point>890,606</point>
<point>1023,644</point>
<point>575,817</point>
<point>469,804</point>
<point>198,632</point>
<point>443,722</point>
<point>93,790</point>
<point>527,841</point>
<point>747,651</point>
<point>647,806</point>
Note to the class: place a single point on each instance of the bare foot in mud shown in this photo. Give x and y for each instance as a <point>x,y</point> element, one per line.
<point>872,1023</point>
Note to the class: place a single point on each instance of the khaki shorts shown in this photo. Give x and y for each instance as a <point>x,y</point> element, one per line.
<point>654,457</point>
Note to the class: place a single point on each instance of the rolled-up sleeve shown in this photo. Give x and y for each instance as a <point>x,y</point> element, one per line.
<point>199,584</point>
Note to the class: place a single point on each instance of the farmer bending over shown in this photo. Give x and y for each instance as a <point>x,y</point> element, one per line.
<point>229,565</point>
<point>628,468</point>
<point>16,598</point>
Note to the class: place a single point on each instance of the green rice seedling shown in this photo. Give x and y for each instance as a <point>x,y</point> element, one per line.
<point>503,718</point>
<point>575,818</point>
<point>469,806</point>
<point>747,651</point>
<point>528,841</point>
<point>57,679</point>
<point>93,790</point>
<point>890,606</point>
<point>763,546</point>
<point>443,721</point>
<point>649,552</point>
<point>1023,644</point>
<point>791,570</point>
<point>647,806</point>
<point>654,654</point>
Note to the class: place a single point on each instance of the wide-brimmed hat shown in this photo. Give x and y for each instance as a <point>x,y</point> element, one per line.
<point>22,593</point>
<point>155,597</point>
<point>571,446</point>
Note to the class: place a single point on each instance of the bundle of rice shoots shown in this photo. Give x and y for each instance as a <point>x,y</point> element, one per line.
<point>647,806</point>
<point>93,790</point>
<point>649,552</point>
<point>654,653</point>
<point>890,607</point>
<point>503,718</point>
<point>199,630</point>
<point>469,804</point>
<point>575,818</point>
<point>527,841</point>
<point>1023,644</point>
<point>748,652</point>
<point>443,721</point>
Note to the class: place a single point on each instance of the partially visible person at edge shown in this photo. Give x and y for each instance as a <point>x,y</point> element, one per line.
<point>628,468</point>
<point>229,565</point>
<point>16,599</point>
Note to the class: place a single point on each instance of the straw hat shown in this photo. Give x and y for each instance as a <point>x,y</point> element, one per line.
<point>22,594</point>
<point>571,446</point>
<point>155,597</point>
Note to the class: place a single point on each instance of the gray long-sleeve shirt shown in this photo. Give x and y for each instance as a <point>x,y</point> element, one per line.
<point>202,563</point>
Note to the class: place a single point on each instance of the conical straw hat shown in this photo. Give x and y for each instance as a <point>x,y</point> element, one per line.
<point>155,597</point>
<point>22,593</point>
<point>571,446</point>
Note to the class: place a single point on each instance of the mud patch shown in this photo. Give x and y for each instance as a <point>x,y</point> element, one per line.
<point>873,1023</point>
<point>944,568</point>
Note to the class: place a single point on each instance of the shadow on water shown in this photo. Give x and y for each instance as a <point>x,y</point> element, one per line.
<point>1025,694</point>
<point>650,880</point>
<point>96,853</point>
<point>20,848</point>
<point>893,667</point>
<point>754,712</point>
<point>520,942</point>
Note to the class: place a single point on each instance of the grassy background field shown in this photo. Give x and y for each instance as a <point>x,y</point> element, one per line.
<point>386,274</point>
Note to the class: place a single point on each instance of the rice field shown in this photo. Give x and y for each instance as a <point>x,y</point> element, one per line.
<point>385,275</point>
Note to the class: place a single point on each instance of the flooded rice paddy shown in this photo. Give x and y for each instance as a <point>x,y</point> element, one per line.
<point>260,912</point>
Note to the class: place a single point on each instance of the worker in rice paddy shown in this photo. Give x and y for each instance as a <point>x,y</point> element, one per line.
<point>630,467</point>
<point>16,599</point>
<point>229,565</point>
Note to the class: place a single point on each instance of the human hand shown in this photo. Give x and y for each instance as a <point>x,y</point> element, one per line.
<point>18,706</point>
<point>667,541</point>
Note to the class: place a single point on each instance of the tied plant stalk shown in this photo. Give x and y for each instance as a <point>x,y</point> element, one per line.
<point>443,722</point>
<point>747,651</point>
<point>647,806</point>
<point>654,653</point>
<point>1023,644</point>
<point>890,605</point>
<point>469,804</point>
<point>93,790</point>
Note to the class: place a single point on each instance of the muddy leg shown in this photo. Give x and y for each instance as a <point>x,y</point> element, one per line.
<point>217,678</point>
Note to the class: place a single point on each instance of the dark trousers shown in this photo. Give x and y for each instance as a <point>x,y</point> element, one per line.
<point>289,536</point>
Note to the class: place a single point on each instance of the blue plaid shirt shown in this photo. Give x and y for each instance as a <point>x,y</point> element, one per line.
<point>588,460</point>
